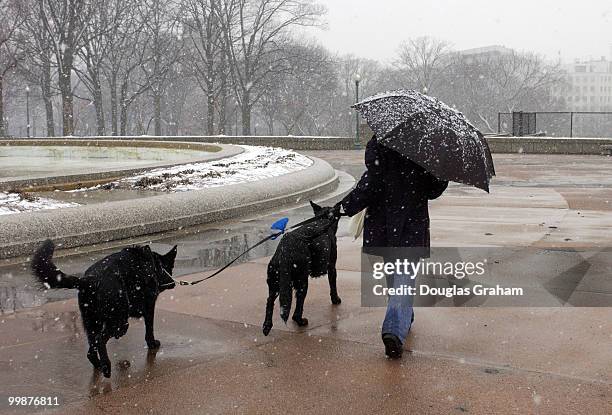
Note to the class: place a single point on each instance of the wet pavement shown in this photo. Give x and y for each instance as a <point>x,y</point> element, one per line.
<point>214,358</point>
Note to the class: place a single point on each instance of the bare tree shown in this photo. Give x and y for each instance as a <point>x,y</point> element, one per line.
<point>223,96</point>
<point>135,62</point>
<point>132,84</point>
<point>38,65</point>
<point>484,85</point>
<point>271,105</point>
<point>176,96</point>
<point>11,19</point>
<point>165,48</point>
<point>101,34</point>
<point>66,22</point>
<point>125,52</point>
<point>205,44</point>
<point>240,61</point>
<point>300,97</point>
<point>255,31</point>
<point>423,61</point>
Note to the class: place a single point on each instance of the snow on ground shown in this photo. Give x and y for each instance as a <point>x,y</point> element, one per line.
<point>22,202</point>
<point>255,163</point>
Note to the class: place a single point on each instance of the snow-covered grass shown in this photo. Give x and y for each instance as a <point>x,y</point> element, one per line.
<point>255,163</point>
<point>23,202</point>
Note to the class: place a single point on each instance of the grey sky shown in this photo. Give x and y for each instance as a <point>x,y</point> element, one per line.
<point>374,28</point>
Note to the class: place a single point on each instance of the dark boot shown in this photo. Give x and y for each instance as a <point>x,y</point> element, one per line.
<point>393,346</point>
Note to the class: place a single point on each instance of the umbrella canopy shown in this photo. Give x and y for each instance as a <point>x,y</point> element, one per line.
<point>430,133</point>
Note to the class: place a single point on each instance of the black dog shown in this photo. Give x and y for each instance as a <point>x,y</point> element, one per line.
<point>310,250</point>
<point>122,285</point>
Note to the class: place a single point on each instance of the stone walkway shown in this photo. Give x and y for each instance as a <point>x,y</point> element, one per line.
<point>214,358</point>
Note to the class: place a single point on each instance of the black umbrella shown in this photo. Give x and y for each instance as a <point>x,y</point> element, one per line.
<point>430,133</point>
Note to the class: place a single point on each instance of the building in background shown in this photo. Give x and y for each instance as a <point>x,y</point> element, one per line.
<point>588,85</point>
<point>485,52</point>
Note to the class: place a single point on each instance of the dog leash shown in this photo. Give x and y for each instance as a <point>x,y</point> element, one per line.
<point>266,239</point>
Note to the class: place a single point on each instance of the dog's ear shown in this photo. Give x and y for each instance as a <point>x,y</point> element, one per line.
<point>172,253</point>
<point>169,258</point>
<point>316,208</point>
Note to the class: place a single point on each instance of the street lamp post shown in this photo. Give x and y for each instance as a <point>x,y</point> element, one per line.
<point>27,90</point>
<point>357,79</point>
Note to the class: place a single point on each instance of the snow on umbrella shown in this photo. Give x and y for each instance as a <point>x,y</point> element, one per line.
<point>430,133</point>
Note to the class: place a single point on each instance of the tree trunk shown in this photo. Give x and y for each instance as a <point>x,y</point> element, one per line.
<point>124,118</point>
<point>99,105</point>
<point>210,91</point>
<point>45,87</point>
<point>246,120</point>
<point>46,92</point>
<point>222,98</point>
<point>246,113</point>
<point>124,109</point>
<point>271,125</point>
<point>113,102</point>
<point>65,86</point>
<point>210,116</point>
<point>157,116</point>
<point>2,128</point>
<point>222,117</point>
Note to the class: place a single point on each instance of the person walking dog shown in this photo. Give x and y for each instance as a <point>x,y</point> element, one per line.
<point>395,192</point>
<point>419,144</point>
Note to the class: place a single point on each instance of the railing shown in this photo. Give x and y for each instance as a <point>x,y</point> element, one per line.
<point>555,123</point>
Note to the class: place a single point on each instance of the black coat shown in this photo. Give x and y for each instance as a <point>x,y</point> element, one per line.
<point>396,192</point>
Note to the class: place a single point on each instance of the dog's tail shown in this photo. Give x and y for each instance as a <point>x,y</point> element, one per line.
<point>285,289</point>
<point>46,271</point>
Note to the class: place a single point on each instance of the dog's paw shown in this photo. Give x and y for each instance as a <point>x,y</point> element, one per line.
<point>284,315</point>
<point>153,344</point>
<point>105,368</point>
<point>336,300</point>
<point>301,321</point>
<point>266,328</point>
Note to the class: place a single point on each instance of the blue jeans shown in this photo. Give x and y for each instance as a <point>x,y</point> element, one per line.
<point>398,318</point>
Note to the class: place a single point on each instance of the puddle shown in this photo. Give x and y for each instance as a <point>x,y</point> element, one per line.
<point>198,252</point>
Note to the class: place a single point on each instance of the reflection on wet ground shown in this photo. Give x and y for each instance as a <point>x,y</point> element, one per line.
<point>199,250</point>
<point>59,366</point>
<point>214,358</point>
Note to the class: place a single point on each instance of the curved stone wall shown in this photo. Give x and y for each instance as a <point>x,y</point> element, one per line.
<point>93,175</point>
<point>102,222</point>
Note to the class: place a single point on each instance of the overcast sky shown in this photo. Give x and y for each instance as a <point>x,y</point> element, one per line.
<point>374,28</point>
